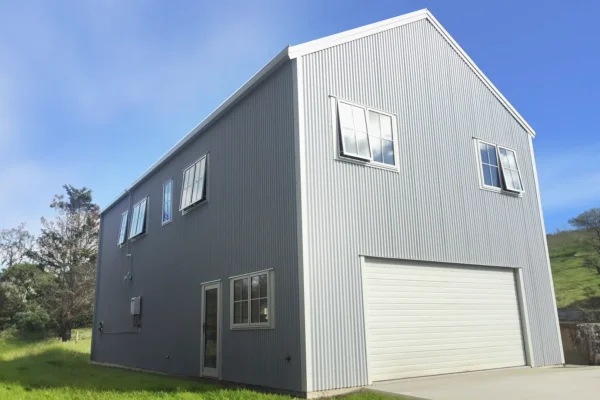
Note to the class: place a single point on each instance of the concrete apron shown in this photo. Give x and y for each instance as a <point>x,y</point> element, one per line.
<point>552,383</point>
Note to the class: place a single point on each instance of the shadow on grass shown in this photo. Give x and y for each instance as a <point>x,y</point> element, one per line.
<point>56,368</point>
<point>591,303</point>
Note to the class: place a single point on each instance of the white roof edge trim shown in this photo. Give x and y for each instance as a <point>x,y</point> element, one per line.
<point>282,56</point>
<point>371,29</point>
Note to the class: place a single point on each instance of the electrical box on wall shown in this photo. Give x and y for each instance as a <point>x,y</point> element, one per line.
<point>136,305</point>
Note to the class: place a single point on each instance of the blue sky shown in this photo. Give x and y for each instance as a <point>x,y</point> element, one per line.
<point>92,93</point>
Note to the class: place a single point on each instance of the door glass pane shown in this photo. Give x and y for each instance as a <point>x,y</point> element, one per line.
<point>211,305</point>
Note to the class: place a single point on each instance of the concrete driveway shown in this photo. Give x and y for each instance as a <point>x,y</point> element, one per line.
<point>568,383</point>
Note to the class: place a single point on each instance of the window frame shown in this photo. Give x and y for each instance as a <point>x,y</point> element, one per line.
<point>123,229</point>
<point>336,128</point>
<point>162,216</point>
<point>145,226</point>
<point>204,200</point>
<point>498,147</point>
<point>270,324</point>
<point>502,189</point>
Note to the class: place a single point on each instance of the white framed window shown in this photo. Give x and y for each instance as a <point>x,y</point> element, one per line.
<point>252,300</point>
<point>193,188</point>
<point>167,204</point>
<point>138,218</point>
<point>123,228</point>
<point>366,135</point>
<point>499,169</point>
<point>510,169</point>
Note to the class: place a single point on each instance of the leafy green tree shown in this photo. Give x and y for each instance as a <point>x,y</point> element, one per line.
<point>589,221</point>
<point>23,288</point>
<point>15,244</point>
<point>67,249</point>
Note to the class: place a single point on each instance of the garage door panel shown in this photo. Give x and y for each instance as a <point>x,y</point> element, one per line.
<point>473,357</point>
<point>435,369</point>
<point>441,341</point>
<point>387,341</point>
<point>456,307</point>
<point>391,284</point>
<point>424,320</point>
<point>411,346</point>
<point>417,272</point>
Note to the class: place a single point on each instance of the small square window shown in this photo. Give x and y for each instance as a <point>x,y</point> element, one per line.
<point>252,301</point>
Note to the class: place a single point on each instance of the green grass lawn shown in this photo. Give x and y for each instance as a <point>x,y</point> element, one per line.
<point>51,370</point>
<point>575,285</point>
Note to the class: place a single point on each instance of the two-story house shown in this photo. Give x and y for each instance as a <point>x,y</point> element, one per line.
<point>364,208</point>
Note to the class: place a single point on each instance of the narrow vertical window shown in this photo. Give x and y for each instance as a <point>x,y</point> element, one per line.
<point>193,190</point>
<point>123,229</point>
<point>167,205</point>
<point>138,220</point>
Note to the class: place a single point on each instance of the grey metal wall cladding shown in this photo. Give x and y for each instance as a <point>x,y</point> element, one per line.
<point>248,224</point>
<point>433,209</point>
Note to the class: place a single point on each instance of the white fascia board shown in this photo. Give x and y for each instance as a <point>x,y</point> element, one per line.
<point>367,30</point>
<point>226,105</point>
<point>354,34</point>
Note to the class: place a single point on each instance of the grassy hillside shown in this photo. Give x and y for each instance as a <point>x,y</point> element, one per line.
<point>575,285</point>
<point>51,370</point>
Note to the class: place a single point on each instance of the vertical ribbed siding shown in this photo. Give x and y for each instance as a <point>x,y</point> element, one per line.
<point>432,210</point>
<point>247,225</point>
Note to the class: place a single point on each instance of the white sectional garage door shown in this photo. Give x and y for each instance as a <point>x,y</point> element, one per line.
<point>428,319</point>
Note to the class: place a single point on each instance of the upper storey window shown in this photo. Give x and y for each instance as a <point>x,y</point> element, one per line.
<point>366,135</point>
<point>499,168</point>
<point>193,189</point>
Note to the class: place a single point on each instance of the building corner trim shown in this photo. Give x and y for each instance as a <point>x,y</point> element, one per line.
<point>303,280</point>
<point>539,199</point>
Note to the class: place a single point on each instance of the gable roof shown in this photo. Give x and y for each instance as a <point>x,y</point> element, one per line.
<point>292,52</point>
<point>371,29</point>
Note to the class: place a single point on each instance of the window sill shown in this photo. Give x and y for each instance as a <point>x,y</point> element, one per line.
<point>138,236</point>
<point>251,327</point>
<point>369,164</point>
<point>502,191</point>
<point>167,222</point>
<point>193,207</point>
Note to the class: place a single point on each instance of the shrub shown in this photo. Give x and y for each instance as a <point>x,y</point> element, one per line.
<point>33,319</point>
